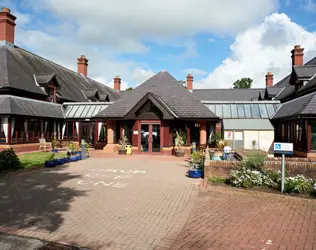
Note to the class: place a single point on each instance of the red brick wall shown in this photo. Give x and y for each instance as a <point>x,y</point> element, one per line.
<point>306,167</point>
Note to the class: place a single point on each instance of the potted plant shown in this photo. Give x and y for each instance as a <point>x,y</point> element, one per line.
<point>87,149</point>
<point>219,153</point>
<point>122,145</point>
<point>54,145</point>
<point>196,170</point>
<point>179,142</point>
<point>254,142</point>
<point>51,161</point>
<point>71,152</point>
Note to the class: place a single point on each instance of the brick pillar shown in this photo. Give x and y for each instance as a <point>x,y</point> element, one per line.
<point>202,133</point>
<point>110,133</point>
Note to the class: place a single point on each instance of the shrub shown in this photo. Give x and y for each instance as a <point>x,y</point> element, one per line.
<point>9,160</point>
<point>255,160</point>
<point>298,184</point>
<point>217,179</point>
<point>248,178</point>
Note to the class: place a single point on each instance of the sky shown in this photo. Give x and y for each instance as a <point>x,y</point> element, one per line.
<point>217,42</point>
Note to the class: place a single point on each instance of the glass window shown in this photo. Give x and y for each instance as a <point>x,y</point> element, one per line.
<point>313,135</point>
<point>234,111</point>
<point>241,111</point>
<point>255,110</point>
<point>226,111</point>
<point>212,107</point>
<point>263,111</point>
<point>276,107</point>
<point>247,111</point>
<point>219,110</point>
<point>270,110</point>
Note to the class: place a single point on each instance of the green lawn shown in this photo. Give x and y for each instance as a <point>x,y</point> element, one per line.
<point>37,159</point>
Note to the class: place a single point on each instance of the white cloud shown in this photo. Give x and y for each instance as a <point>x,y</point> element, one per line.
<point>260,49</point>
<point>126,24</point>
<point>309,5</point>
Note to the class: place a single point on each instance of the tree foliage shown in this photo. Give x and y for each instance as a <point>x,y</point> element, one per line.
<point>243,83</point>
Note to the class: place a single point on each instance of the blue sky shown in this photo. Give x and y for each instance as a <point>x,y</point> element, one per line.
<point>217,41</point>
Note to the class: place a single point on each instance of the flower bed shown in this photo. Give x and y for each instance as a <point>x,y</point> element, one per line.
<point>252,173</point>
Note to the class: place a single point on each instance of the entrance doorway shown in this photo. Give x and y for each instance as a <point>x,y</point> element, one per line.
<point>150,138</point>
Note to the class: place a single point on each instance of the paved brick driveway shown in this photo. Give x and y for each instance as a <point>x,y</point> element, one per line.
<point>229,218</point>
<point>101,203</point>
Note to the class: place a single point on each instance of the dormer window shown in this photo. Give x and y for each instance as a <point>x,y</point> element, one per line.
<point>49,85</point>
<point>91,95</point>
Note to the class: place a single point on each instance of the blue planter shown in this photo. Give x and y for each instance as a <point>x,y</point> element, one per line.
<point>195,173</point>
<point>73,158</point>
<point>51,164</point>
<point>55,150</point>
<point>78,153</point>
<point>60,161</point>
<point>79,157</point>
<point>216,158</point>
<point>67,159</point>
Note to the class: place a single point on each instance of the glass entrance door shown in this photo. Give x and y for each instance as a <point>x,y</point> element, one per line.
<point>155,138</point>
<point>150,138</point>
<point>144,138</point>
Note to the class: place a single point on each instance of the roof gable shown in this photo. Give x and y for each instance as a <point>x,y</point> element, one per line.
<point>151,99</point>
<point>165,87</point>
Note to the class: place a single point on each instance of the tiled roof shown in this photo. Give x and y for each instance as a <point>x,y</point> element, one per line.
<point>228,94</point>
<point>19,66</point>
<point>306,71</point>
<point>90,93</point>
<point>44,78</point>
<point>14,105</point>
<point>305,105</point>
<point>165,87</point>
<point>273,91</point>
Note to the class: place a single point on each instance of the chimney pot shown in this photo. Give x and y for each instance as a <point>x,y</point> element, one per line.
<point>82,62</point>
<point>297,56</point>
<point>6,10</point>
<point>117,83</point>
<point>269,79</point>
<point>7,26</point>
<point>189,82</point>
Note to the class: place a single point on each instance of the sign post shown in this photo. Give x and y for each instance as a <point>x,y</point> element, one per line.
<point>284,149</point>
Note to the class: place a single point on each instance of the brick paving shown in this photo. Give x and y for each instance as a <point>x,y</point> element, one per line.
<point>229,218</point>
<point>101,203</point>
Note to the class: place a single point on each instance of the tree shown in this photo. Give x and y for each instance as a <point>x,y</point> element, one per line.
<point>129,89</point>
<point>243,83</point>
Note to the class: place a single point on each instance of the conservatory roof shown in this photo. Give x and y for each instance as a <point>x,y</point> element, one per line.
<point>242,110</point>
<point>84,110</point>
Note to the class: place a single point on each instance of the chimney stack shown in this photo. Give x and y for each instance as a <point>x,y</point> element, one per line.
<point>117,83</point>
<point>189,82</point>
<point>7,26</point>
<point>297,56</point>
<point>269,79</point>
<point>83,65</point>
